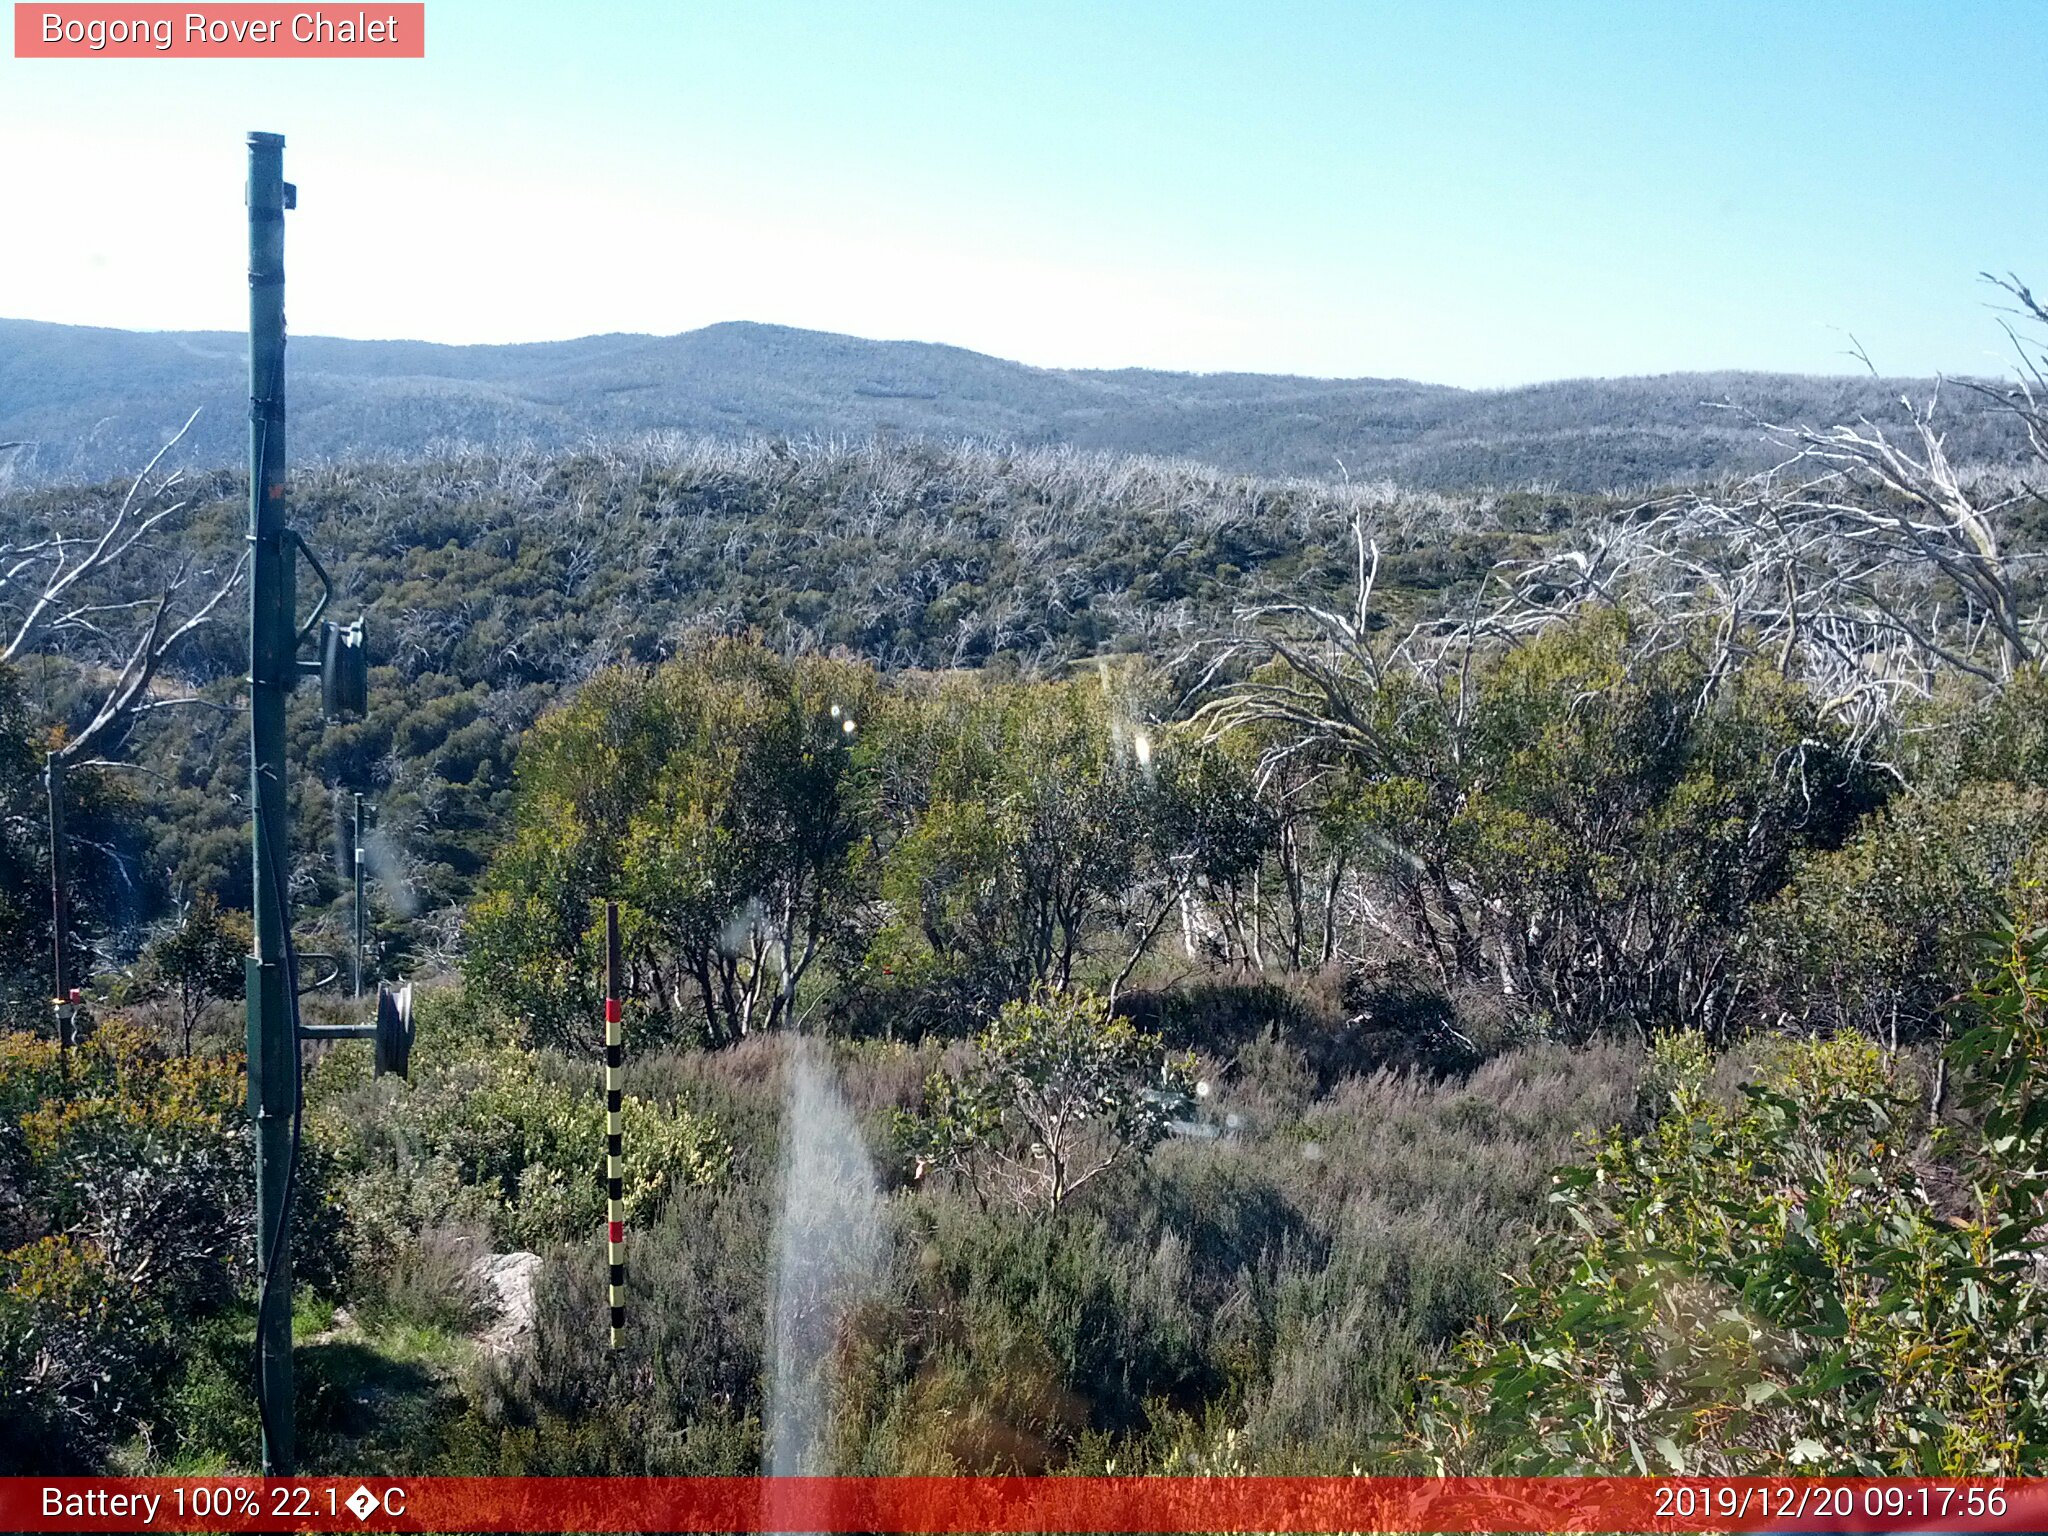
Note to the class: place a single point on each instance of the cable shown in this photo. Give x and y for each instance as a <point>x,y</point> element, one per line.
<point>267,1286</point>
<point>291,1167</point>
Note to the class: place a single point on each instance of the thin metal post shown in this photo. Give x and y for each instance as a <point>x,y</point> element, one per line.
<point>614,1128</point>
<point>60,892</point>
<point>273,647</point>
<point>359,895</point>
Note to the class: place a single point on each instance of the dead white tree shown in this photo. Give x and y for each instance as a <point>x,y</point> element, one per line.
<point>1919,535</point>
<point>1312,674</point>
<point>2027,397</point>
<point>1867,562</point>
<point>65,591</point>
<point>1321,686</point>
<point>54,590</point>
<point>1757,579</point>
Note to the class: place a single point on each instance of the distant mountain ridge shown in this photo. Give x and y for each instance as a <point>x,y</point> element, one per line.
<point>83,403</point>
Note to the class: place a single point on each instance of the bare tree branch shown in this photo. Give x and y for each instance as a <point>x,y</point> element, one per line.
<point>45,610</point>
<point>128,697</point>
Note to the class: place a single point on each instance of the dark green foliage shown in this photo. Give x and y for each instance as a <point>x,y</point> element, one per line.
<point>107,883</point>
<point>1020,821</point>
<point>1588,821</point>
<point>82,1350</point>
<point>1877,935</point>
<point>138,1157</point>
<point>722,799</point>
<point>1572,836</point>
<point>24,867</point>
<point>125,1181</point>
<point>1631,811</point>
<point>2000,735</point>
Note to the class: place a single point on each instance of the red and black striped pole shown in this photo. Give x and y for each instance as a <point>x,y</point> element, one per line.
<point>614,1161</point>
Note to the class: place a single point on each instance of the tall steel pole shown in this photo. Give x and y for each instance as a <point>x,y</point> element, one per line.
<point>273,666</point>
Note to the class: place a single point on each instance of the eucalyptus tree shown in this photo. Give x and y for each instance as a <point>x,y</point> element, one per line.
<point>1579,813</point>
<point>1022,833</point>
<point>720,798</point>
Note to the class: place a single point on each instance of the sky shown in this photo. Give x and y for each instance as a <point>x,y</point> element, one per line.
<point>1459,192</point>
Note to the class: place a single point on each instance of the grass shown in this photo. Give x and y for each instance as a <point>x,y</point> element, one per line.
<point>1287,1279</point>
<point>1263,1298</point>
<point>367,1396</point>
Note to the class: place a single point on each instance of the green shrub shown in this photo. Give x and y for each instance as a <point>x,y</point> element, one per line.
<point>497,1139</point>
<point>1021,825</point>
<point>721,800</point>
<point>1876,935</point>
<point>1770,1285</point>
<point>82,1353</point>
<point>1059,1093</point>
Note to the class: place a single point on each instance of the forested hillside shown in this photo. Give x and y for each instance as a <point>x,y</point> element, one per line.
<point>493,585</point>
<point>78,404</point>
<point>1152,930</point>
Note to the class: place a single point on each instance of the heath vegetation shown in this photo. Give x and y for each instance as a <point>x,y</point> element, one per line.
<point>1323,976</point>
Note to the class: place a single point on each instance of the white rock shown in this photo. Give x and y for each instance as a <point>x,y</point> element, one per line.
<point>507,1280</point>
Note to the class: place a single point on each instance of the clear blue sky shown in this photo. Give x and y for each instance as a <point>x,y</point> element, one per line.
<point>1472,193</point>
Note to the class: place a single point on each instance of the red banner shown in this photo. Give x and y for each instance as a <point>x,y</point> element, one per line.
<point>100,31</point>
<point>1024,1504</point>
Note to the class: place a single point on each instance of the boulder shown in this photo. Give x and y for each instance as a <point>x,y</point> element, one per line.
<point>506,1280</point>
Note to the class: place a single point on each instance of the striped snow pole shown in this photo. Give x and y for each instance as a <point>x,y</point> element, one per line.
<point>614,1162</point>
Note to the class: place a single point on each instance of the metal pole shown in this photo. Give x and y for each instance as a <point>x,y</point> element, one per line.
<point>60,897</point>
<point>359,895</point>
<point>273,1051</point>
<point>614,1161</point>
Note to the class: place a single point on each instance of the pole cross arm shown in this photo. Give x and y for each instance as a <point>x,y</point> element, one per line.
<point>392,1032</point>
